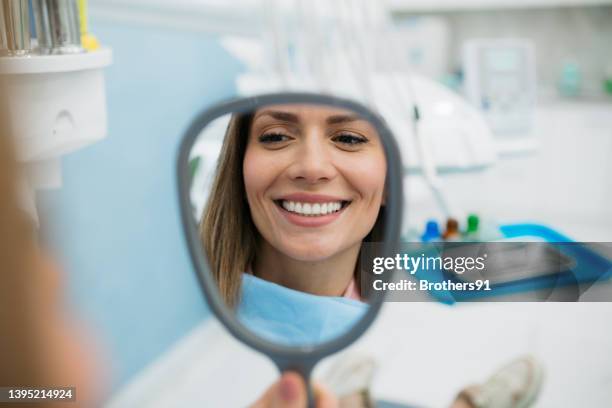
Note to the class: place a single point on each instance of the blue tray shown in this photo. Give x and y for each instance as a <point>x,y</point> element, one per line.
<point>588,267</point>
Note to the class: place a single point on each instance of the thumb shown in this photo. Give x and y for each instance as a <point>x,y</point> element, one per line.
<point>290,392</point>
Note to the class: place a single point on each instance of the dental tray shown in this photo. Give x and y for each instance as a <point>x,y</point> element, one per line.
<point>514,261</point>
<point>563,263</point>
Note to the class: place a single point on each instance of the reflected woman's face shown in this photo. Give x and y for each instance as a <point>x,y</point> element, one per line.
<point>314,179</point>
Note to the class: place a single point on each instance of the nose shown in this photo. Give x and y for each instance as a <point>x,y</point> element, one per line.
<point>312,162</point>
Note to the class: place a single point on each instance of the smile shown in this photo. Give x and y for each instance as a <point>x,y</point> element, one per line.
<point>311,210</point>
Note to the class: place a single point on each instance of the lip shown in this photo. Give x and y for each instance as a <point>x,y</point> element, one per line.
<point>310,221</point>
<point>311,198</point>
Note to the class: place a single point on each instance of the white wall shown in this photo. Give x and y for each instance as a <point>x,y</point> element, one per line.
<point>566,184</point>
<point>579,35</point>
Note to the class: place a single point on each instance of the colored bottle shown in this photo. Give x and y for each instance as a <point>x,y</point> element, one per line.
<point>608,79</point>
<point>472,233</point>
<point>570,81</point>
<point>432,232</point>
<point>452,230</point>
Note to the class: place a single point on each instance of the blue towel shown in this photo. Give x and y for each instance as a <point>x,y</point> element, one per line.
<point>294,318</point>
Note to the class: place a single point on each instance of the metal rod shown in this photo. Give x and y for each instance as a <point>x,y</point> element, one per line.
<point>15,27</point>
<point>57,26</point>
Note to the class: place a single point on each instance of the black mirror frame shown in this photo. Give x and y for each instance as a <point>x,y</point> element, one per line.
<point>303,358</point>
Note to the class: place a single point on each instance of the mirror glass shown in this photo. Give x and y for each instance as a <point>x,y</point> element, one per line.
<point>284,196</point>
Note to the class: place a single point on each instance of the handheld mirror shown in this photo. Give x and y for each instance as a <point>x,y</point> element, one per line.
<point>278,194</point>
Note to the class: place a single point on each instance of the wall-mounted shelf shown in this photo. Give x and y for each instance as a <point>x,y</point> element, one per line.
<point>57,105</point>
<point>57,102</point>
<point>419,6</point>
<point>43,64</point>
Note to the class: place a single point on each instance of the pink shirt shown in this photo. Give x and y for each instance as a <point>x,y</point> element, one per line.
<point>352,292</point>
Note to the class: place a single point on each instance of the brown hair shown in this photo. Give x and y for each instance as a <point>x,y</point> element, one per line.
<point>227,231</point>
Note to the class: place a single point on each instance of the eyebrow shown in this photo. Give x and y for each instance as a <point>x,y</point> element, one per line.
<point>279,115</point>
<point>293,118</point>
<point>337,119</point>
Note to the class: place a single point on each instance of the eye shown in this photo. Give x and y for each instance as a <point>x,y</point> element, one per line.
<point>350,139</point>
<point>273,137</point>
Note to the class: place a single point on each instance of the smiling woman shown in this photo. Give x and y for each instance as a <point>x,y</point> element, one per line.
<point>283,196</point>
<point>297,190</point>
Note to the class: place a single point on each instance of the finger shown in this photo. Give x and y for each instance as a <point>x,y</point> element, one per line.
<point>324,398</point>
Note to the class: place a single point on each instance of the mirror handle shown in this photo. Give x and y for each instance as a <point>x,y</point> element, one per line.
<point>310,395</point>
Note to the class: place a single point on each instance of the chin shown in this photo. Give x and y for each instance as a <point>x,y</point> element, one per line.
<point>310,252</point>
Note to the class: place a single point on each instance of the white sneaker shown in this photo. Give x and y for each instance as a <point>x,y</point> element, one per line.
<point>350,378</point>
<point>515,385</point>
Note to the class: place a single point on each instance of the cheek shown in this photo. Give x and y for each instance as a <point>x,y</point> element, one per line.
<point>256,173</point>
<point>367,176</point>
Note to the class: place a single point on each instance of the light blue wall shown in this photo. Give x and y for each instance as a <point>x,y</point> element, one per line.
<point>115,220</point>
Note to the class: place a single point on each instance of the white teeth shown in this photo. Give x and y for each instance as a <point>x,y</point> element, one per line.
<point>307,208</point>
<point>310,209</point>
